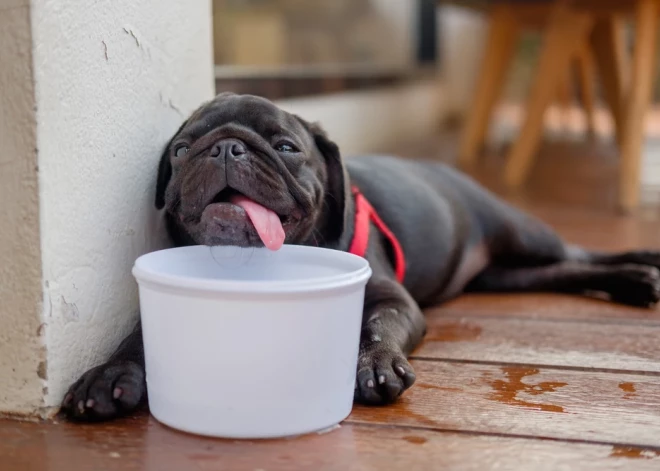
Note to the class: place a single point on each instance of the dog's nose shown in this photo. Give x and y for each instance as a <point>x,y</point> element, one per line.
<point>228,148</point>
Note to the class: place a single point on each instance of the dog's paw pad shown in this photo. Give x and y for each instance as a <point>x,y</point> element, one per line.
<point>105,392</point>
<point>383,375</point>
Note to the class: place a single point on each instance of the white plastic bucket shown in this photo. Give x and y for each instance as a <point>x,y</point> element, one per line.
<point>249,343</point>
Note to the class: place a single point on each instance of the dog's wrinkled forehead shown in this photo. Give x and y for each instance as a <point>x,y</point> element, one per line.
<point>253,112</point>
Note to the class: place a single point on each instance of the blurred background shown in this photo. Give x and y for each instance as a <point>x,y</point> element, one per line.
<point>464,81</point>
<point>285,48</point>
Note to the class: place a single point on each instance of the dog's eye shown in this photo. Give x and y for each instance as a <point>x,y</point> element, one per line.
<point>286,147</point>
<point>181,151</point>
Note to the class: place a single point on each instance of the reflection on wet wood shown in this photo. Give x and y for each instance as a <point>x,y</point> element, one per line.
<point>629,390</point>
<point>454,332</point>
<point>506,391</point>
<point>634,452</point>
<point>524,401</point>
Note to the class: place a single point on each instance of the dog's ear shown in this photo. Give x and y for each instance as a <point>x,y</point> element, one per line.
<point>338,187</point>
<point>164,175</point>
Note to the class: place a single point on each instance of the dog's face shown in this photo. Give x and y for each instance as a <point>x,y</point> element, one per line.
<point>240,171</point>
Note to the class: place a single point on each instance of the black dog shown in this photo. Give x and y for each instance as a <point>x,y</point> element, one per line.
<point>241,171</point>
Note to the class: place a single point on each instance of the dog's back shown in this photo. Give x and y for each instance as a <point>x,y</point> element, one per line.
<point>444,220</point>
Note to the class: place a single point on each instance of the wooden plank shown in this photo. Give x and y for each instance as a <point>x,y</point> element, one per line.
<point>544,306</point>
<point>143,444</point>
<point>550,343</point>
<point>525,401</point>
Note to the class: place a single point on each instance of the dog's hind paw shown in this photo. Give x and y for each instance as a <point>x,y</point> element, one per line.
<point>636,285</point>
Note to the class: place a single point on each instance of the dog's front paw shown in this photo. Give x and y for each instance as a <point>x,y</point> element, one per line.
<point>636,285</point>
<point>105,392</point>
<point>383,374</point>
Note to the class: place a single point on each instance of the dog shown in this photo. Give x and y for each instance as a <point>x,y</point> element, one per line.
<point>240,171</point>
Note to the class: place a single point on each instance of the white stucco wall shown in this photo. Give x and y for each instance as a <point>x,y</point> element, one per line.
<point>374,120</point>
<point>114,79</point>
<point>21,342</point>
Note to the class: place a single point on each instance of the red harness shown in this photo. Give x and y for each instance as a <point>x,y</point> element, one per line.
<point>364,215</point>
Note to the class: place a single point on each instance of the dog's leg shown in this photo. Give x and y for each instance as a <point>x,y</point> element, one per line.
<point>637,257</point>
<point>392,326</point>
<point>113,388</point>
<point>635,285</point>
<point>527,255</point>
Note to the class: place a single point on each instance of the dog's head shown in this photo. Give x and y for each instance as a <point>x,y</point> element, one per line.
<point>240,171</point>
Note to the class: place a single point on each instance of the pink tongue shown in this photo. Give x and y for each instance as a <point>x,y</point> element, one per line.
<point>266,222</point>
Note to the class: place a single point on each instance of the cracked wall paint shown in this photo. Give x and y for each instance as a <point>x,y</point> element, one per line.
<point>111,87</point>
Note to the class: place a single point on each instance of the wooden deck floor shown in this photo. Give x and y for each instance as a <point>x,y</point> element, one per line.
<point>525,382</point>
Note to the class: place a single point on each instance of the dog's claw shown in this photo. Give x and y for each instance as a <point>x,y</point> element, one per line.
<point>67,400</point>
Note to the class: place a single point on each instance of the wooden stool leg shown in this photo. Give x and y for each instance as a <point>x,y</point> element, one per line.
<point>565,89</point>
<point>608,46</point>
<point>586,76</point>
<point>637,102</point>
<point>564,33</point>
<point>502,38</point>
<point>565,96</point>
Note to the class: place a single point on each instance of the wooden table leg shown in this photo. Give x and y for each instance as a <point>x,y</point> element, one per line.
<point>587,76</point>
<point>608,46</point>
<point>565,96</point>
<point>637,102</point>
<point>566,31</point>
<point>582,69</point>
<point>501,41</point>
